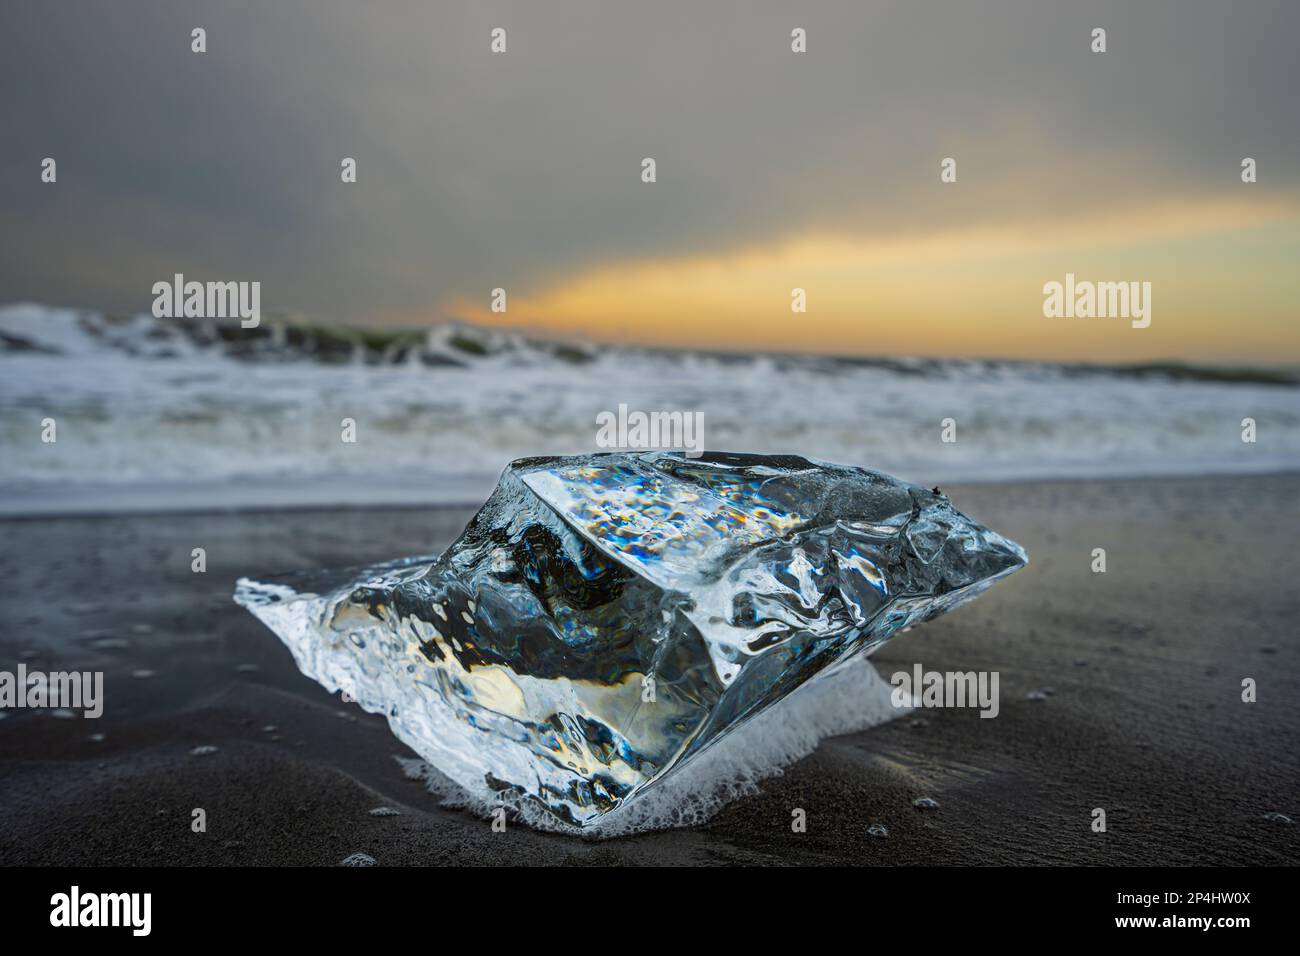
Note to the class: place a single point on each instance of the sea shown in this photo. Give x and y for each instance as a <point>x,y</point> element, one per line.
<point>153,414</point>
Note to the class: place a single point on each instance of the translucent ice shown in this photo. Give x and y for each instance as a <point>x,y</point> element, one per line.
<point>604,619</point>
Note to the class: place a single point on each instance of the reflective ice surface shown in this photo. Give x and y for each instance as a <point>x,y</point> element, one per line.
<point>605,618</point>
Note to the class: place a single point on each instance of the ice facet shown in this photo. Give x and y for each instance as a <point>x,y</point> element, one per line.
<point>605,618</point>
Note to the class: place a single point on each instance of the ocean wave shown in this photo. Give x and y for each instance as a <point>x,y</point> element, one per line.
<point>223,415</point>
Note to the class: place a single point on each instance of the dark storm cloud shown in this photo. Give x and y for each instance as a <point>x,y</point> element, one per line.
<point>478,170</point>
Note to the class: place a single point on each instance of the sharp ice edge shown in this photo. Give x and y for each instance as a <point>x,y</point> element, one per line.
<point>515,660</point>
<point>854,697</point>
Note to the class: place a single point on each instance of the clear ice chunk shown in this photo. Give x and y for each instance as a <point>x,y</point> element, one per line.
<point>605,618</point>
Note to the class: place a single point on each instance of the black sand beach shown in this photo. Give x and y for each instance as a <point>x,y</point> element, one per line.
<point>1142,668</point>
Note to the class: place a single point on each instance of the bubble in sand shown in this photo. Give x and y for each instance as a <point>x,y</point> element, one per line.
<point>203,750</point>
<point>925,803</point>
<point>359,859</point>
<point>877,830</point>
<point>1276,817</point>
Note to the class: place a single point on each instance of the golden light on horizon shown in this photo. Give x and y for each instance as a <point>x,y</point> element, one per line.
<point>1216,267</point>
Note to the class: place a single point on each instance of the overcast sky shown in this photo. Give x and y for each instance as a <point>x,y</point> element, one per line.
<point>522,170</point>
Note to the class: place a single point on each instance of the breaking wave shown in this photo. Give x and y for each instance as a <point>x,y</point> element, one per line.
<point>186,413</point>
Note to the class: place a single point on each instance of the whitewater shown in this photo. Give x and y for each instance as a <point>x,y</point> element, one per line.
<point>153,415</point>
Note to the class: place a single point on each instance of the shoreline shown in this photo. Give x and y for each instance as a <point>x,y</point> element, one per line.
<point>77,500</point>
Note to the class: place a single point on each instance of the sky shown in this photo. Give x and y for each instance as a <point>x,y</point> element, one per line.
<point>775,170</point>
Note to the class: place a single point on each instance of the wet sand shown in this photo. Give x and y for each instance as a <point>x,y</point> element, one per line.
<point>1144,718</point>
